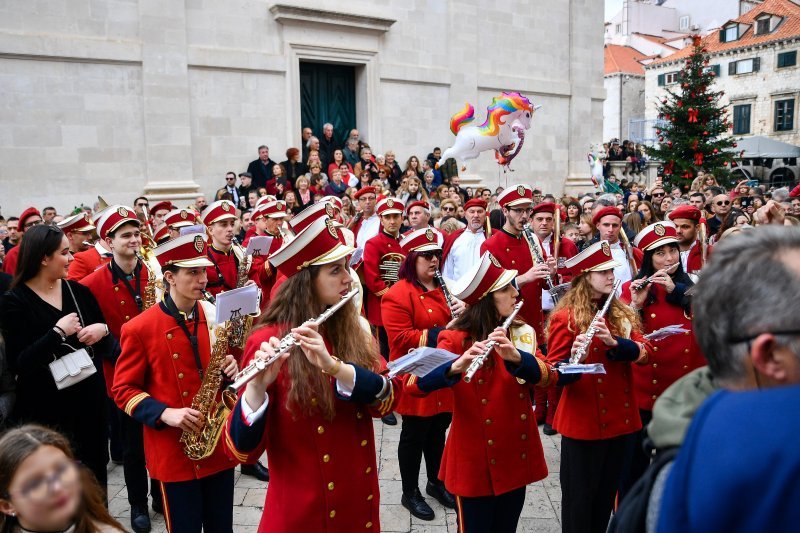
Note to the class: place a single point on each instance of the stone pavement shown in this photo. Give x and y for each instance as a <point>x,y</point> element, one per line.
<point>542,511</point>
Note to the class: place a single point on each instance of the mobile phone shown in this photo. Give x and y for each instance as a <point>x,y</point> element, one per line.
<point>752,183</point>
<point>747,201</point>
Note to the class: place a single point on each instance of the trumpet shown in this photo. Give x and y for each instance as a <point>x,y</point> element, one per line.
<point>286,343</point>
<point>478,362</point>
<point>592,330</point>
<point>669,270</point>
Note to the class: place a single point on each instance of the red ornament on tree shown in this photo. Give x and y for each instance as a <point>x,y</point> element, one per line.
<point>680,103</point>
<point>716,151</point>
<point>710,98</point>
<point>661,139</point>
<point>664,101</point>
<point>658,131</point>
<point>696,40</point>
<point>705,133</point>
<point>735,145</point>
<point>669,143</point>
<point>698,158</point>
<point>695,142</point>
<point>693,115</point>
<point>724,163</point>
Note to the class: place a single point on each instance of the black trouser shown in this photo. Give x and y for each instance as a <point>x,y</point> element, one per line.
<point>421,435</point>
<point>636,460</point>
<point>490,514</point>
<point>116,441</point>
<point>205,503</point>
<point>383,342</point>
<point>590,471</point>
<point>133,465</point>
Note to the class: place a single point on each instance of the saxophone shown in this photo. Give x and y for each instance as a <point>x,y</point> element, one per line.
<point>147,258</point>
<point>200,445</point>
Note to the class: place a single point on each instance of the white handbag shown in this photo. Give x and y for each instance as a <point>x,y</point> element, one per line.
<point>75,366</point>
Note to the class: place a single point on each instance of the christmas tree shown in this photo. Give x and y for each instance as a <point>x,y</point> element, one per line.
<point>693,124</point>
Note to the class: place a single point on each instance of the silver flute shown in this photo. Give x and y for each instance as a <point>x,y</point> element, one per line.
<point>286,343</point>
<point>590,332</point>
<point>447,296</point>
<point>538,259</point>
<point>478,362</point>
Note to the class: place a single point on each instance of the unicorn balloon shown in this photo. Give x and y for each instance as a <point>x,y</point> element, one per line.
<point>507,118</point>
<point>596,166</point>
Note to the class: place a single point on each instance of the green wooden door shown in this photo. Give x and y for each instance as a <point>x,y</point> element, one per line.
<point>327,94</point>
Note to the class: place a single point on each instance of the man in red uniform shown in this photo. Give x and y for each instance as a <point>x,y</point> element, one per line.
<point>542,225</point>
<point>158,212</point>
<point>268,217</point>
<point>78,229</point>
<point>28,219</point>
<point>165,355</point>
<point>462,248</point>
<point>382,258</point>
<point>687,222</point>
<point>177,219</point>
<point>511,250</point>
<point>608,221</point>
<point>120,289</point>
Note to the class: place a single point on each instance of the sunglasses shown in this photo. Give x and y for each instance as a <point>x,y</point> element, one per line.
<point>448,209</point>
<point>230,179</point>
<point>658,194</point>
<point>430,254</point>
<point>724,202</point>
<point>142,205</point>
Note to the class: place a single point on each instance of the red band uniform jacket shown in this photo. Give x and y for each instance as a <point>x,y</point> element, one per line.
<point>595,406</point>
<point>85,263</point>
<point>414,317</point>
<point>513,253</point>
<point>261,271</point>
<point>118,305</point>
<point>222,276</point>
<point>379,248</point>
<point>156,370</point>
<point>670,358</point>
<point>323,473</point>
<point>493,446</point>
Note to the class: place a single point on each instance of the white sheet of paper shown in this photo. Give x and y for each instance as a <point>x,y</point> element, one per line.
<point>356,257</point>
<point>237,302</point>
<point>666,331</point>
<point>197,228</point>
<point>258,245</point>
<point>596,368</point>
<point>420,362</point>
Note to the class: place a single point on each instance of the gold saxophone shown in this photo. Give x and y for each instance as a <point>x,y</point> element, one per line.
<point>149,261</point>
<point>200,445</point>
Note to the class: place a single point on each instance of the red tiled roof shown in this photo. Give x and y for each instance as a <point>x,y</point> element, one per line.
<point>659,40</point>
<point>623,59</point>
<point>788,28</point>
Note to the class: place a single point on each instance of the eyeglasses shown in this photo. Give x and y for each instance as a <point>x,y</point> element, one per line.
<point>447,208</point>
<point>66,475</point>
<point>143,205</point>
<point>430,254</point>
<point>723,202</point>
<point>230,179</point>
<point>658,194</point>
<point>31,224</point>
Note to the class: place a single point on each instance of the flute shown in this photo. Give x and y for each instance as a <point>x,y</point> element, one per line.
<point>478,362</point>
<point>447,296</point>
<point>669,270</point>
<point>286,343</point>
<point>590,332</point>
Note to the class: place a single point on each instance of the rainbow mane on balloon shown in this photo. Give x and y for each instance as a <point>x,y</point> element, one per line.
<point>502,105</point>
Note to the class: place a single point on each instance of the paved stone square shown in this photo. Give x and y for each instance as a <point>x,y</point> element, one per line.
<point>542,511</point>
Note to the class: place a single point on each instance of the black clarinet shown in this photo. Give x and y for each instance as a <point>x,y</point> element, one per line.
<point>446,291</point>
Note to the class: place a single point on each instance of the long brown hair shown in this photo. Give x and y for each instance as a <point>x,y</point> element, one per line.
<point>578,300</point>
<point>18,444</point>
<point>297,302</point>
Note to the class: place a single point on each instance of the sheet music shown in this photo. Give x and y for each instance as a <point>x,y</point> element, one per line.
<point>595,368</point>
<point>666,331</point>
<point>197,228</point>
<point>258,245</point>
<point>356,257</point>
<point>237,303</point>
<point>420,361</point>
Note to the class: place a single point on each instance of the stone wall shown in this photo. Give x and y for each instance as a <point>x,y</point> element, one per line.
<point>120,97</point>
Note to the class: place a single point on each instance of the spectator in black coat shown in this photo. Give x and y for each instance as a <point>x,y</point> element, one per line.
<point>261,168</point>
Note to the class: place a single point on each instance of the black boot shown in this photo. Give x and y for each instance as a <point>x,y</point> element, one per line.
<point>548,430</point>
<point>389,420</point>
<point>441,494</point>
<point>158,506</point>
<point>140,520</point>
<point>257,471</point>
<point>417,505</point>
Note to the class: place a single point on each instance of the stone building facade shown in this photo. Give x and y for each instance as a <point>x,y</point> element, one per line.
<point>162,97</point>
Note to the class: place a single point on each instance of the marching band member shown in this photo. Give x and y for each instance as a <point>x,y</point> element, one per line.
<point>462,248</point>
<point>543,226</point>
<point>161,235</point>
<point>165,356</point>
<point>493,450</point>
<point>414,312</point>
<point>659,295</point>
<point>597,414</point>
<point>419,215</point>
<point>608,222</point>
<point>121,289</point>
<point>177,219</point>
<point>223,272</point>
<point>268,217</point>
<point>510,248</point>
<point>366,224</point>
<point>29,218</point>
<point>687,219</point>
<point>78,229</point>
<point>159,211</point>
<point>311,409</point>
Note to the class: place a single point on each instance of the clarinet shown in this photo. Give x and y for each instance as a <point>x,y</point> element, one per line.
<point>447,296</point>
<point>538,259</point>
<point>590,332</point>
<point>286,343</point>
<point>478,362</point>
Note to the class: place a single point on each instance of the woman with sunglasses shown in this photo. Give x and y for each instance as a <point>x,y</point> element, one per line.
<point>45,317</point>
<point>43,488</point>
<point>493,450</point>
<point>414,312</point>
<point>658,293</point>
<point>447,208</point>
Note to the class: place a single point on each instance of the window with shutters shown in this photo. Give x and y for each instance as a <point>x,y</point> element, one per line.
<point>741,119</point>
<point>744,66</point>
<point>715,69</point>
<point>729,33</point>
<point>762,26</point>
<point>784,115</point>
<point>670,78</point>
<point>787,59</point>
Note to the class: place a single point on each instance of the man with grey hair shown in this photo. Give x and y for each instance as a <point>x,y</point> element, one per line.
<point>351,151</point>
<point>327,145</point>
<point>746,323</point>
